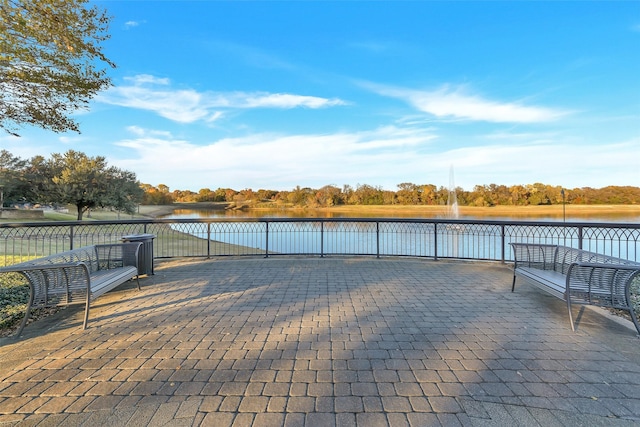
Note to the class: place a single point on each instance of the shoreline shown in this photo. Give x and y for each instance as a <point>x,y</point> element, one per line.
<point>155,211</point>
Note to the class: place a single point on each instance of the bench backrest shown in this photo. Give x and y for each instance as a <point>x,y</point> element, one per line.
<point>95,257</point>
<point>85,254</point>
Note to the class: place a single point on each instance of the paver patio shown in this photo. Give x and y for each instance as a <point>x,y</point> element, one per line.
<point>333,341</point>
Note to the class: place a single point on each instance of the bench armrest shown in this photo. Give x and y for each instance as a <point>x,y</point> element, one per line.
<point>604,284</point>
<point>611,265</point>
<point>113,255</point>
<point>19,268</point>
<point>54,284</point>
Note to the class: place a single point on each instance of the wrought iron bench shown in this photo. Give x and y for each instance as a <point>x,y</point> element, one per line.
<point>78,276</point>
<point>577,276</point>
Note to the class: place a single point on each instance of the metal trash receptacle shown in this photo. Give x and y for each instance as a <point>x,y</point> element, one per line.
<point>145,253</point>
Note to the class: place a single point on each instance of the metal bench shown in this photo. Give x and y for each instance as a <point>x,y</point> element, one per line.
<point>577,276</point>
<point>78,276</point>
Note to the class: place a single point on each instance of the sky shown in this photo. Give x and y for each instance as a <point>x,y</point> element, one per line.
<point>274,95</point>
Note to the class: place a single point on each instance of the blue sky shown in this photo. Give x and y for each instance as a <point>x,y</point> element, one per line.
<point>272,95</point>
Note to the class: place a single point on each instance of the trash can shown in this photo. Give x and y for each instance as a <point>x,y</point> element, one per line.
<point>145,253</point>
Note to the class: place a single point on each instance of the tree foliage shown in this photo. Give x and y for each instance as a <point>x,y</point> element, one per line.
<point>413,194</point>
<point>51,61</point>
<point>69,178</point>
<point>87,182</point>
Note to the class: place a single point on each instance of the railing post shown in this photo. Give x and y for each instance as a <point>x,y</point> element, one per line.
<point>266,240</point>
<point>208,240</point>
<point>580,237</point>
<point>435,241</point>
<point>71,237</point>
<point>321,239</point>
<point>377,239</point>
<point>504,248</point>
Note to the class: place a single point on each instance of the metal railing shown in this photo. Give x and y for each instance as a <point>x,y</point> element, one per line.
<point>430,238</point>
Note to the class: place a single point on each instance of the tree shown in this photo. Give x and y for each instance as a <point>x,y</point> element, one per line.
<point>12,180</point>
<point>156,196</point>
<point>87,182</point>
<point>124,192</point>
<point>408,193</point>
<point>50,61</point>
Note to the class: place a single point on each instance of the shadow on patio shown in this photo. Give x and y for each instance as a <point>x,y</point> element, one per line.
<point>333,341</point>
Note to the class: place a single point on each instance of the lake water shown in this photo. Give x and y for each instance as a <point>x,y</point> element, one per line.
<point>475,241</point>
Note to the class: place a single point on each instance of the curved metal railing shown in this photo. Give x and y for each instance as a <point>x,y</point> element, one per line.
<point>430,238</point>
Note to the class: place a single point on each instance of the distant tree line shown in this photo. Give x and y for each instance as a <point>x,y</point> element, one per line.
<point>69,178</point>
<point>89,182</point>
<point>406,194</point>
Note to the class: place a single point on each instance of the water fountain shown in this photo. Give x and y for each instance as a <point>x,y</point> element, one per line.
<point>452,200</point>
<point>453,212</point>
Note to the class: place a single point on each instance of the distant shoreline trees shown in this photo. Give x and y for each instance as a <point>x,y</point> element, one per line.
<point>408,194</point>
<point>88,182</point>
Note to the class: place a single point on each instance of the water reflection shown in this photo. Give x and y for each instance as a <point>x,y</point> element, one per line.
<point>603,216</point>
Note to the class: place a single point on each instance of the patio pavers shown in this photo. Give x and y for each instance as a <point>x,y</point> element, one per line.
<point>332,341</point>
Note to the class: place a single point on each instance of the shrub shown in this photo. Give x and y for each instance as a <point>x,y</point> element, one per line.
<point>14,296</point>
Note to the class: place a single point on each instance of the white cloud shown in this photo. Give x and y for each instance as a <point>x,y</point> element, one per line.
<point>183,106</point>
<point>284,100</point>
<point>142,132</point>
<point>141,79</point>
<point>456,103</point>
<point>274,161</point>
<point>71,140</point>
<point>547,161</point>
<point>132,24</point>
<point>384,156</point>
<point>155,94</point>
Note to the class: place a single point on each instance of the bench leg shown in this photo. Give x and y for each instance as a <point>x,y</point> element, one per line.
<point>27,311</point>
<point>138,280</point>
<point>86,311</point>
<point>634,318</point>
<point>513,285</point>
<point>573,328</point>
<point>26,318</point>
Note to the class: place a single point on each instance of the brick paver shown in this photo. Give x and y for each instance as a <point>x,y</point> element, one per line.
<point>335,341</point>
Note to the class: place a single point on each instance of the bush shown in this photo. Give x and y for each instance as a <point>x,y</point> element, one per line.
<point>14,296</point>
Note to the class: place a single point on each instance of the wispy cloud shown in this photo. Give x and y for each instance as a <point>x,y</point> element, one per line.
<point>364,157</point>
<point>482,164</point>
<point>302,158</point>
<point>283,100</point>
<point>449,102</point>
<point>155,94</point>
<point>132,24</point>
<point>141,79</point>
